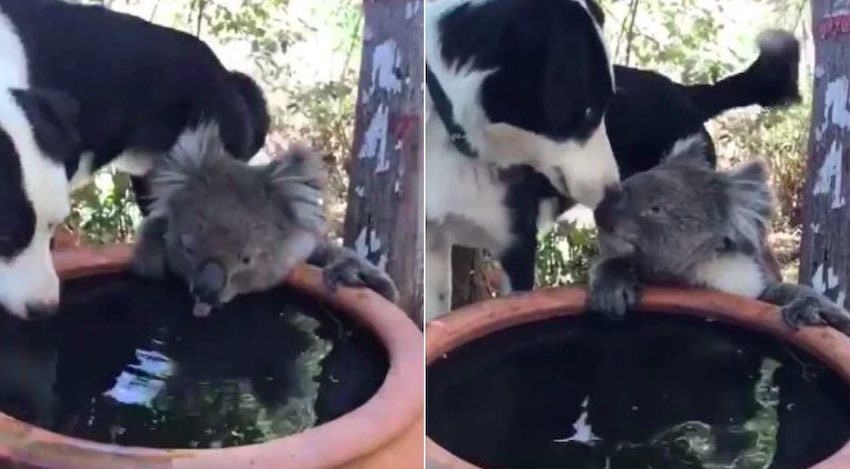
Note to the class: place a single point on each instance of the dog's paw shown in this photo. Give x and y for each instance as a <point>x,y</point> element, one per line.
<point>358,273</point>
<point>613,295</point>
<point>814,311</point>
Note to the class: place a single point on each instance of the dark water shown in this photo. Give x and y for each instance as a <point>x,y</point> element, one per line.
<point>125,362</point>
<point>657,391</point>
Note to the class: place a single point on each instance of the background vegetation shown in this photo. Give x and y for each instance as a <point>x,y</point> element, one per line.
<point>305,53</point>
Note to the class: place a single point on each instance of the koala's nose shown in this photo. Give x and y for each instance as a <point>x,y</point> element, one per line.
<point>209,281</point>
<point>606,212</point>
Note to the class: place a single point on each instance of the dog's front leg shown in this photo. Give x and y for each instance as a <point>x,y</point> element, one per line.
<point>438,274</point>
<point>518,264</point>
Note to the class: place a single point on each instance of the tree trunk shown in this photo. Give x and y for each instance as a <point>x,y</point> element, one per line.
<point>384,221</point>
<point>469,277</point>
<point>826,216</point>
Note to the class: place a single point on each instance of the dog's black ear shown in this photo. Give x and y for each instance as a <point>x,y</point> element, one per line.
<point>53,116</point>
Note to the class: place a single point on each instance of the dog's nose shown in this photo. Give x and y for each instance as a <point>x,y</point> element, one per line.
<point>605,213</point>
<point>41,311</point>
<point>209,281</point>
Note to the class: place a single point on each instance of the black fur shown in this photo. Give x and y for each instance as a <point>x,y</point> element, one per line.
<point>139,86</point>
<point>554,48</point>
<point>648,114</point>
<point>18,222</point>
<point>53,116</point>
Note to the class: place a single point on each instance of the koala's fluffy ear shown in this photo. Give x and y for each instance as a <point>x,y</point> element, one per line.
<point>690,151</point>
<point>751,205</point>
<point>297,181</point>
<point>197,153</point>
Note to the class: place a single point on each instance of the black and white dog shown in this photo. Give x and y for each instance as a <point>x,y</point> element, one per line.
<point>82,87</point>
<point>647,115</point>
<point>511,82</point>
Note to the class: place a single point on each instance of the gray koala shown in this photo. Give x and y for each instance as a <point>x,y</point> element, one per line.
<point>228,228</point>
<point>684,223</point>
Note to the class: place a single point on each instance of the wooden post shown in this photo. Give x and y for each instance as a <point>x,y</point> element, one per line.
<point>384,221</point>
<point>825,263</point>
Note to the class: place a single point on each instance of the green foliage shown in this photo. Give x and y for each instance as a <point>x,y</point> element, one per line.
<point>105,211</point>
<point>563,256</point>
<point>306,56</point>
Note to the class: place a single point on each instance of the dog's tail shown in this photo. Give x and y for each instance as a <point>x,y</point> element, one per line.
<point>771,81</point>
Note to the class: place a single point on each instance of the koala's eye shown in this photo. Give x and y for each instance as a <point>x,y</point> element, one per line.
<point>246,259</point>
<point>654,210</point>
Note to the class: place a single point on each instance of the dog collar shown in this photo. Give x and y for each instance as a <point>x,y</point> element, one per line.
<point>457,134</point>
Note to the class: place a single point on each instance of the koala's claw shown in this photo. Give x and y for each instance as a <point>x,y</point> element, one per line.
<point>352,272</point>
<point>613,297</point>
<point>812,312</point>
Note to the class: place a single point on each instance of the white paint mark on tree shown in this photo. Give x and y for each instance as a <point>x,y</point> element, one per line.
<point>835,108</point>
<point>375,138</point>
<point>382,262</point>
<point>829,176</point>
<point>367,243</point>
<point>360,191</point>
<point>385,62</point>
<point>815,227</point>
<point>824,283</point>
<point>842,298</point>
<point>411,9</point>
<point>360,244</point>
<point>375,244</point>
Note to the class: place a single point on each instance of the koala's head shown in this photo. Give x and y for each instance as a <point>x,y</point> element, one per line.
<point>230,228</point>
<point>683,209</point>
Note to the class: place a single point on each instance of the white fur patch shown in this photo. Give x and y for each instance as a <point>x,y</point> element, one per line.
<point>462,188</point>
<point>134,163</point>
<point>733,273</point>
<point>587,168</point>
<point>29,279</point>
<point>13,61</point>
<point>83,174</point>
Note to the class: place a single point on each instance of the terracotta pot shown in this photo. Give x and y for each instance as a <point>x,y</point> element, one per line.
<point>384,432</point>
<point>478,320</point>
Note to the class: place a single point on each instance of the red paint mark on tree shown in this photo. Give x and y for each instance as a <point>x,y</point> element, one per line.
<point>402,126</point>
<point>834,26</point>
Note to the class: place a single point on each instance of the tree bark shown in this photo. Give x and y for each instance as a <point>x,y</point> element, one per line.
<point>384,220</point>
<point>469,277</point>
<point>825,263</point>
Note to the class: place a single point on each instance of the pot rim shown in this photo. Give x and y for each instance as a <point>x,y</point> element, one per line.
<point>472,322</point>
<point>386,415</point>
